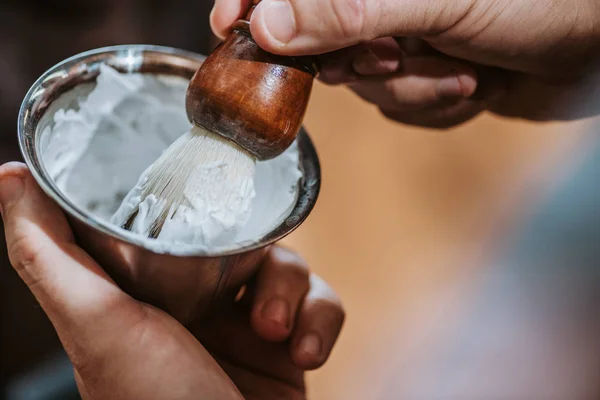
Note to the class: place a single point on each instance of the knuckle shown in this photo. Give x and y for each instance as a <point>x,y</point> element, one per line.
<point>336,303</point>
<point>285,272</point>
<point>296,274</point>
<point>396,93</point>
<point>391,115</point>
<point>402,96</point>
<point>289,259</point>
<point>333,77</point>
<point>324,294</point>
<point>329,309</point>
<point>289,278</point>
<point>24,255</point>
<point>327,79</point>
<point>80,362</point>
<point>349,17</point>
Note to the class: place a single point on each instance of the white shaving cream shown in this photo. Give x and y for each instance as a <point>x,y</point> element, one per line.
<point>202,187</point>
<point>98,139</point>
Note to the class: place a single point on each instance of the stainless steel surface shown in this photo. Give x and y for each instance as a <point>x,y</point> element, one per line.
<point>187,284</point>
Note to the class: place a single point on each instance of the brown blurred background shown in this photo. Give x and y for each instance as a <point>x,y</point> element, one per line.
<point>426,235</point>
<point>414,229</point>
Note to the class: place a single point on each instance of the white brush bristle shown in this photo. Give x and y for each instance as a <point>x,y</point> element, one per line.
<point>200,171</point>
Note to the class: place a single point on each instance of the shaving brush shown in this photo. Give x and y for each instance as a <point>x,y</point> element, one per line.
<point>254,98</point>
<point>246,105</point>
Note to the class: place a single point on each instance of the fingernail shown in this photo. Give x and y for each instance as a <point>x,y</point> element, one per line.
<point>311,345</point>
<point>449,87</point>
<point>278,20</point>
<point>459,85</point>
<point>368,63</point>
<point>11,190</point>
<point>276,310</point>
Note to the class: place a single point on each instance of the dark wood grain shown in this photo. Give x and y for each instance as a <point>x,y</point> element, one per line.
<point>252,97</point>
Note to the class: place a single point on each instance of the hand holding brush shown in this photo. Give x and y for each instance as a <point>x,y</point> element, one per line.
<point>246,105</point>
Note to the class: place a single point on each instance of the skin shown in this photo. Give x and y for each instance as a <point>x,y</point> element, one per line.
<point>125,349</point>
<point>438,63</point>
<point>433,63</point>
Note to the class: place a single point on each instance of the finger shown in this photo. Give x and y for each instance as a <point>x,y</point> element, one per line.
<point>106,334</point>
<point>381,56</point>
<point>231,340</point>
<point>423,83</point>
<point>336,67</point>
<point>281,284</point>
<point>225,13</point>
<point>320,321</point>
<point>72,289</point>
<point>300,27</point>
<point>413,46</point>
<point>438,117</point>
<point>378,57</point>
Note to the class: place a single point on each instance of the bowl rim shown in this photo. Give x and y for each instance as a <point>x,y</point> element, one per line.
<point>84,67</point>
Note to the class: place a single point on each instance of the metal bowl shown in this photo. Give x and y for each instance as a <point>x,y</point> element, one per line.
<point>186,284</point>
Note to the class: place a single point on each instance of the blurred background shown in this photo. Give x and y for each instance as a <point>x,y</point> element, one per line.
<point>468,260</point>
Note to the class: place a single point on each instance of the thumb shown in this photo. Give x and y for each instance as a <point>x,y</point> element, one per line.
<point>121,348</point>
<point>82,302</point>
<point>303,27</point>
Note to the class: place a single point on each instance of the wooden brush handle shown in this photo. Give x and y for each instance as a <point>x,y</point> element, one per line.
<point>252,97</point>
